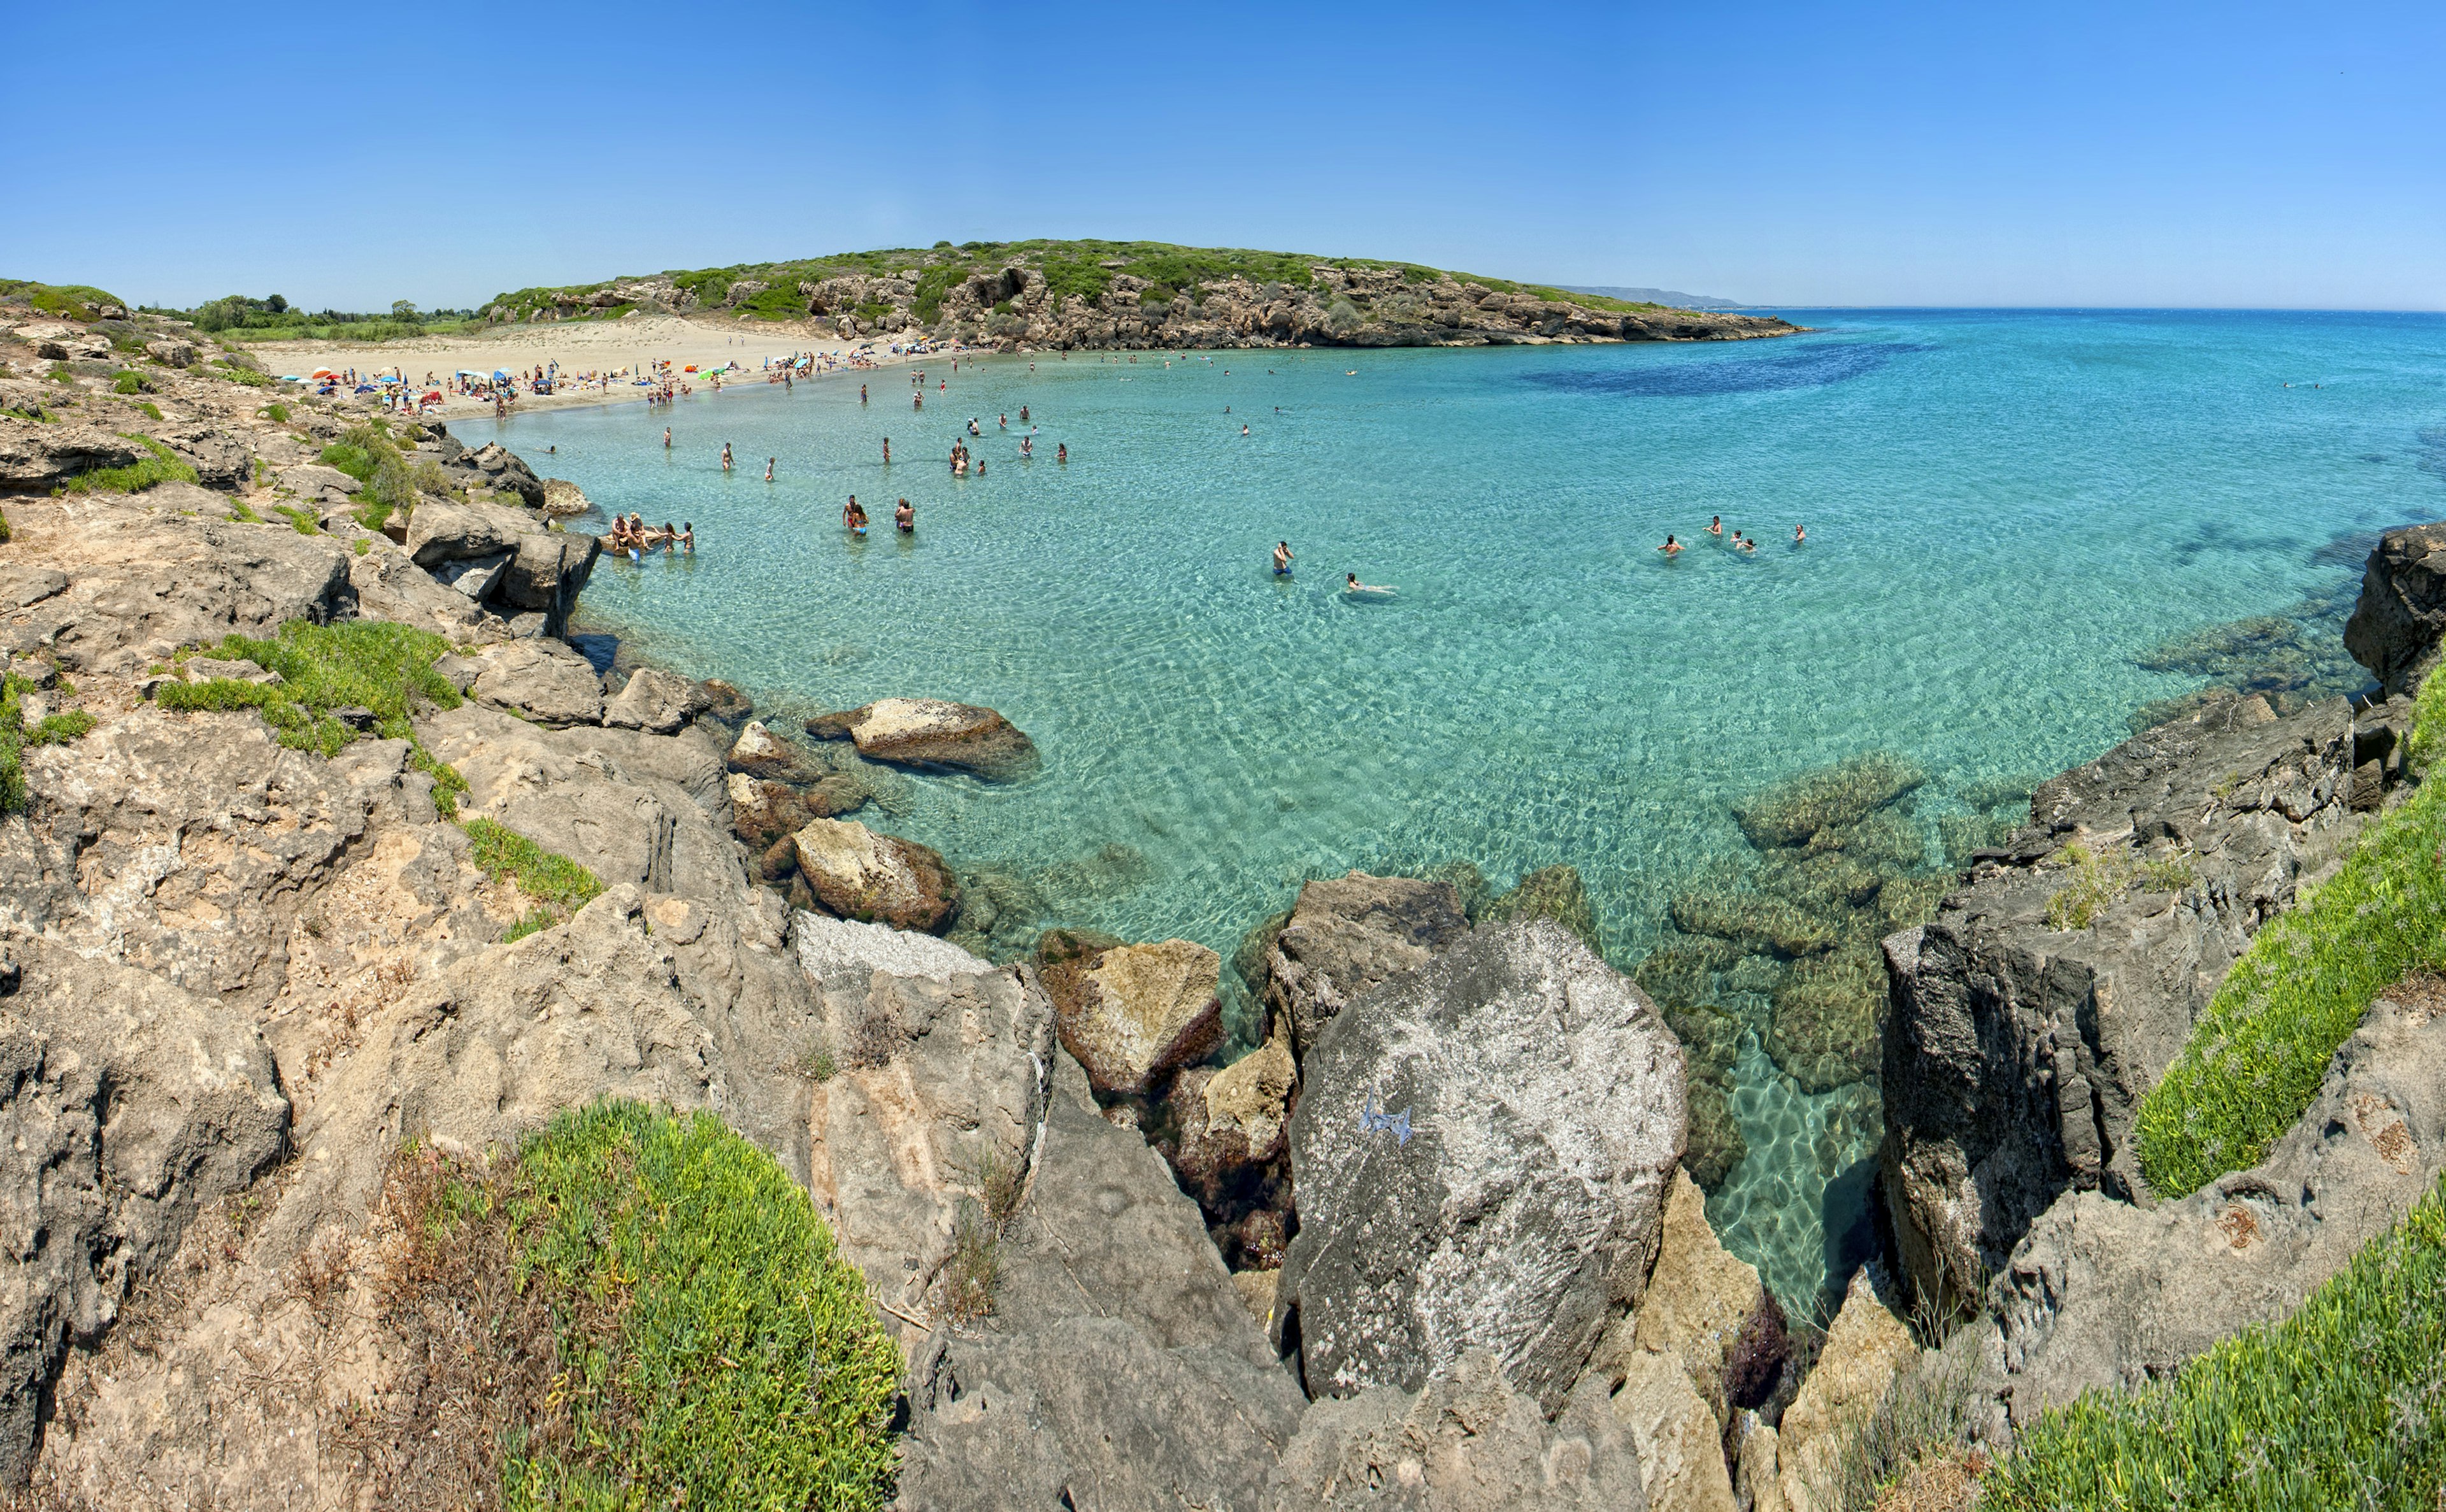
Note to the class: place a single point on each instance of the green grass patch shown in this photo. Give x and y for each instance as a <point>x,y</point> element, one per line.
<point>2341,1404</point>
<point>2256,1058</point>
<point>276,413</point>
<point>360,664</point>
<point>148,410</point>
<point>57,729</point>
<point>238,511</point>
<point>2100,880</point>
<point>302,519</point>
<point>549,878</point>
<point>128,381</point>
<point>163,466</point>
<point>712,1348</point>
<point>357,462</point>
<point>79,302</point>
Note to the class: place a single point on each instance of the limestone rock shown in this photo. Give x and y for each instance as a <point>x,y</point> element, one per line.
<point>1865,1347</point>
<point>143,573</point>
<point>759,752</point>
<point>1466,1442</point>
<point>34,458</point>
<point>1551,892</point>
<point>1698,1301</point>
<point>1256,1289</point>
<point>1137,1011</point>
<point>129,1103</point>
<point>440,532</point>
<point>842,954</point>
<point>1680,1445</point>
<point>549,571</point>
<point>1349,933</point>
<point>931,733</point>
<point>2395,625</point>
<point>216,669</point>
<point>1119,1364</point>
<point>653,700</point>
<point>859,874</point>
<point>1545,1100</point>
<point>2101,1294</point>
<point>541,678</point>
<point>1241,1115</point>
<point>505,470</point>
<point>2015,1052</point>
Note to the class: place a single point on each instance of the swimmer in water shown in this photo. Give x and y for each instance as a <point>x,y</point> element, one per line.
<point>1716,525</point>
<point>1062,451</point>
<point>849,511</point>
<point>768,470</point>
<point>1282,559</point>
<point>1004,421</point>
<point>1244,430</point>
<point>905,517</point>
<point>687,538</point>
<point>862,393</point>
<point>1746,544</point>
<point>1800,534</point>
<point>887,451</point>
<point>725,457</point>
<point>1350,583</point>
<point>667,437</point>
<point>1671,548</point>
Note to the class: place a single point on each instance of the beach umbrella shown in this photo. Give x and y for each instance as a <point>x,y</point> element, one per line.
<point>325,373</point>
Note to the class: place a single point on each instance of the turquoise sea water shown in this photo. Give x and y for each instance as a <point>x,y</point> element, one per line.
<point>2004,510</point>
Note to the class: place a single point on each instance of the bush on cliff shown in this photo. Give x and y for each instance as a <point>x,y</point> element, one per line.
<point>2256,1058</point>
<point>642,1310</point>
<point>163,466</point>
<point>15,735</point>
<point>384,669</point>
<point>2341,1404</point>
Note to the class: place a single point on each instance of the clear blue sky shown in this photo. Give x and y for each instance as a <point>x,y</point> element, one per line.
<point>1956,154</point>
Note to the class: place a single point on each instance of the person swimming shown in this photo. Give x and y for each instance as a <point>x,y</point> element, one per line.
<point>1282,559</point>
<point>1800,534</point>
<point>1062,451</point>
<point>1244,430</point>
<point>1671,548</point>
<point>905,517</point>
<point>1023,409</point>
<point>1716,525</point>
<point>667,437</point>
<point>768,469</point>
<point>1350,583</point>
<point>1745,543</point>
<point>887,451</point>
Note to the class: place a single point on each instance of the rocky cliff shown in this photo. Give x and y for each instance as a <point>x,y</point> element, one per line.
<point>2061,979</point>
<point>1140,296</point>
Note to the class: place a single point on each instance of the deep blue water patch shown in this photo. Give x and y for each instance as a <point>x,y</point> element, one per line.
<point>1706,372</point>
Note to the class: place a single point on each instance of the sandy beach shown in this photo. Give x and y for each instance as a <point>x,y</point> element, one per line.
<point>577,347</point>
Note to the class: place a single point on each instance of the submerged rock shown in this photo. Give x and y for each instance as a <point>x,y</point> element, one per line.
<point>859,874</point>
<point>1554,892</point>
<point>933,733</point>
<point>1132,1013</point>
<point>1349,933</point>
<point>1796,813</point>
<point>1544,1114</point>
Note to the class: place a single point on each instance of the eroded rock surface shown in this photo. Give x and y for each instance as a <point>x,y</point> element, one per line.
<point>859,874</point>
<point>1135,1012</point>
<point>1349,933</point>
<point>2017,1052</point>
<point>933,733</point>
<point>2396,626</point>
<point>1523,1212</point>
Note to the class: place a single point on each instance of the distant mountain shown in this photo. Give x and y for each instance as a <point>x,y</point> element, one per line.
<point>1652,296</point>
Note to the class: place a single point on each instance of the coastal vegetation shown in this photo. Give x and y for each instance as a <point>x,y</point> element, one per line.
<point>2257,1056</point>
<point>273,318</point>
<point>16,735</point>
<point>161,466</point>
<point>558,886</point>
<point>81,301</point>
<point>1086,269</point>
<point>2342,1404</point>
<point>664,1320</point>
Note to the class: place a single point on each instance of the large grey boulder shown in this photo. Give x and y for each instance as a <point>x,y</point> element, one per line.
<point>653,700</point>
<point>2101,1294</point>
<point>2017,1052</point>
<point>541,678</point>
<point>547,574</point>
<point>1544,1105</point>
<point>34,456</point>
<point>1349,933</point>
<point>1465,1442</point>
<point>125,1104</point>
<point>1117,1368</point>
<point>2395,625</point>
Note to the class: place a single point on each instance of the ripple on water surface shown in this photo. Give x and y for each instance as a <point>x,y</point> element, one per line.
<point>2008,515</point>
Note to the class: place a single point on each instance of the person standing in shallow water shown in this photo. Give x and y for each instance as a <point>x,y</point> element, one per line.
<point>1671,548</point>
<point>905,517</point>
<point>725,457</point>
<point>1282,559</point>
<point>887,451</point>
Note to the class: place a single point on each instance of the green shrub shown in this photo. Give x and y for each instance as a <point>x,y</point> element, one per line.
<point>717,1351</point>
<point>277,414</point>
<point>364,546</point>
<point>2256,1058</point>
<point>78,302</point>
<point>551,879</point>
<point>537,921</point>
<point>302,519</point>
<point>2341,1404</point>
<point>362,663</point>
<point>57,729</point>
<point>238,511</point>
<point>60,374</point>
<point>356,461</point>
<point>148,410</point>
<point>163,466</point>
<point>2101,879</point>
<point>128,381</point>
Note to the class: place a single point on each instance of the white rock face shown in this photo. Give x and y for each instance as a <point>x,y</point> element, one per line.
<point>840,953</point>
